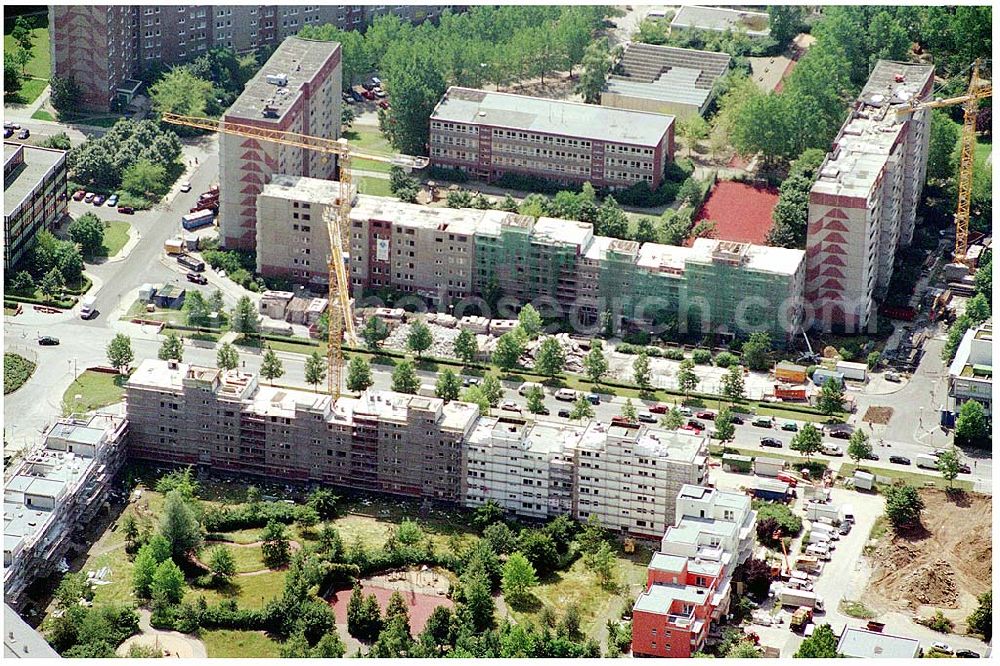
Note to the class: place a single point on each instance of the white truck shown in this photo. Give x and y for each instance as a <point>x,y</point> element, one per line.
<point>822,528</point>
<point>87,307</point>
<point>799,598</point>
<point>818,550</point>
<point>820,538</point>
<point>523,389</point>
<point>817,510</point>
<point>926,461</point>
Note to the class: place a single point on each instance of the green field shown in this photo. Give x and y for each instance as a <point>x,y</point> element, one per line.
<point>40,65</point>
<point>115,237</point>
<point>29,92</point>
<point>42,114</point>
<point>370,139</point>
<point>96,389</point>
<point>16,371</point>
<point>224,643</point>
<point>378,187</point>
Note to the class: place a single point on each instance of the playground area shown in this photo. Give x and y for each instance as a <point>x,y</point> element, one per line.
<point>423,589</point>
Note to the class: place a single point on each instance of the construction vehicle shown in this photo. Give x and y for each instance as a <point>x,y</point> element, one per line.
<point>800,618</point>
<point>978,89</point>
<point>337,219</point>
<point>629,545</point>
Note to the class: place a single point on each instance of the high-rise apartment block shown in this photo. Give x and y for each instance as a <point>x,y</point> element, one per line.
<point>689,581</point>
<point>489,134</point>
<point>382,441</point>
<point>297,90</point>
<point>34,196</point>
<point>444,255</point>
<point>55,492</point>
<point>106,48</point>
<point>863,205</point>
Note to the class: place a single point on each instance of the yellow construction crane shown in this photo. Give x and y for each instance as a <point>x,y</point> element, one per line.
<point>978,89</point>
<point>341,321</point>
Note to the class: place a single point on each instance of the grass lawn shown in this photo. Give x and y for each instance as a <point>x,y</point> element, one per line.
<point>370,139</point>
<point>917,479</point>
<point>42,114</point>
<point>40,65</point>
<point>982,150</point>
<point>138,310</point>
<point>115,237</point>
<point>247,558</point>
<point>29,92</point>
<point>378,187</point>
<point>16,371</point>
<point>233,644</point>
<point>97,389</point>
<point>249,591</point>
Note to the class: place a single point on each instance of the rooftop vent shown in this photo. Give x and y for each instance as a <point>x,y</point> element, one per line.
<point>277,79</point>
<point>900,78</point>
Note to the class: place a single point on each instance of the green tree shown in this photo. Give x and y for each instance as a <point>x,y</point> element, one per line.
<point>324,502</point>
<point>595,363</point>
<point>171,348</point>
<point>404,378</point>
<point>859,447</point>
<point>582,409</point>
<point>420,338</point>
<point>955,333</point>
<point>611,219</point>
<point>807,441</point>
<point>944,137</point>
<point>641,373</point>
<point>13,79</point>
<point>475,395</point>
<point>222,564</point>
<point>500,538</point>
<point>518,579</point>
<point>23,283</point>
<point>785,22</point>
<point>873,360</point>
<point>359,374</point>
<point>984,278</point>
<point>315,369</point>
<point>745,649</point>
<point>540,549</point>
<point>724,427</point>
<point>694,129</point>
<point>478,602</point>
<point>687,380</point>
<point>972,428</point>
<point>594,76</point>
<point>755,351</point>
<point>145,178</point>
<point>949,464</point>
<point>492,389</point>
<point>179,525</point>
<point>488,513</point>
<point>466,347</point>
<point>980,621</point>
<point>550,358</point>
<point>628,411</point>
<point>275,548</point>
<point>530,321</point>
<point>119,352</point>
<point>181,92</point>
<point>448,385</point>
<point>535,400</point>
<point>143,570</point>
<point>672,419</point>
<point>977,309</point>
<point>374,333</point>
<point>52,284</point>
<point>227,358</point>
<point>88,231</point>
<point>196,308</point>
<point>271,367</point>
<point>413,77</point>
<point>508,352</point>
<point>733,386</point>
<point>168,583</point>
<point>831,397</point>
<point>604,565</point>
<point>903,505</point>
<point>245,319</point>
<point>821,645</point>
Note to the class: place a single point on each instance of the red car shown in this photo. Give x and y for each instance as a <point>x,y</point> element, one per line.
<point>368,94</point>
<point>383,104</point>
<point>659,408</point>
<point>708,416</point>
<point>126,210</point>
<point>79,195</point>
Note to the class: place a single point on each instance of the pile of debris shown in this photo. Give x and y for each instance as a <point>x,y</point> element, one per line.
<point>572,348</point>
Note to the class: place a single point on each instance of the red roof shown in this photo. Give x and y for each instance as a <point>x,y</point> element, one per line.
<point>741,212</point>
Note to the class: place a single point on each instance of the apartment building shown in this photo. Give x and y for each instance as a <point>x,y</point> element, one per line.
<point>106,48</point>
<point>225,421</point>
<point>489,134</point>
<point>55,492</point>
<point>970,376</point>
<point>297,90</point>
<point>524,466</point>
<point>292,237</point>
<point>34,196</point>
<point>629,475</point>
<point>862,207</point>
<point>689,581</point>
<point>413,249</point>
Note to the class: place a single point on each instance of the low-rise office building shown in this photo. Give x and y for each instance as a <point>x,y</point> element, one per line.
<point>689,581</point>
<point>489,134</point>
<point>721,19</point>
<point>970,376</point>
<point>55,492</point>
<point>865,644</point>
<point>34,195</point>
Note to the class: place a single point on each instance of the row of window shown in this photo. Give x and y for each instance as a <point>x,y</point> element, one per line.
<point>453,127</point>
<point>538,138</point>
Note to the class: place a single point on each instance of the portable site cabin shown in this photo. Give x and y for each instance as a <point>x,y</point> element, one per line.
<point>863,480</point>
<point>732,462</point>
<point>764,466</point>
<point>820,375</point>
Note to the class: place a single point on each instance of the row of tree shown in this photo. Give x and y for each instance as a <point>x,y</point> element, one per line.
<point>133,156</point>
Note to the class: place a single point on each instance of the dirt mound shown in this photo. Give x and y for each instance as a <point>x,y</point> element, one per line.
<point>945,566</point>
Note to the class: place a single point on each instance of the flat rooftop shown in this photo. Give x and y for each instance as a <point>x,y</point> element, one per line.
<point>866,644</point>
<point>301,188</point>
<point>298,59</point>
<point>760,258</point>
<point>660,598</point>
<point>755,24</point>
<point>563,232</point>
<point>454,220</point>
<point>668,74</point>
<point>28,176</point>
<point>675,445</point>
<point>549,116</point>
<point>20,641</point>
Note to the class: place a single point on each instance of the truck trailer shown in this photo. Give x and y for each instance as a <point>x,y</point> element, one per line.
<point>202,218</point>
<point>800,598</point>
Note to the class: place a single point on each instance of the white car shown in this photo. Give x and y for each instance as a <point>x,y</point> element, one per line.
<point>510,406</point>
<point>942,647</point>
<point>186,187</point>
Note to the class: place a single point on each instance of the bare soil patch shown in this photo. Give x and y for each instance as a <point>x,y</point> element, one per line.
<point>877,415</point>
<point>945,566</point>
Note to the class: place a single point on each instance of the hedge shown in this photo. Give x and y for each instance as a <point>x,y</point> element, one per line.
<point>60,304</point>
<point>245,516</point>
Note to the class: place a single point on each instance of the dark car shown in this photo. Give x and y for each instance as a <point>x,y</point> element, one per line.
<point>126,210</point>
<point>196,278</point>
<point>7,132</point>
<point>736,420</point>
<point>368,86</point>
<point>24,134</point>
<point>708,416</point>
<point>899,460</point>
<point>563,413</point>
<point>967,654</point>
<point>964,469</point>
<point>771,442</point>
<point>48,341</point>
<point>871,456</point>
<point>697,425</point>
<point>544,411</point>
<point>840,434</point>
<point>190,262</point>
<point>845,527</point>
<point>470,381</point>
<point>356,96</point>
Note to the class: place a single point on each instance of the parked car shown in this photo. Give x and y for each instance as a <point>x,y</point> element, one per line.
<point>368,94</point>
<point>563,413</point>
<point>690,428</point>
<point>964,469</point>
<point>943,648</point>
<point>126,210</point>
<point>99,200</point>
<point>593,398</point>
<point>24,134</point>
<point>840,434</point>
<point>379,93</point>
<point>88,197</point>
<point>790,426</point>
<point>510,406</point>
<point>771,442</point>
<point>368,86</point>
<point>186,187</point>
<point>79,195</point>
<point>543,410</point>
<point>470,381</point>
<point>831,449</point>
<point>383,104</point>
<point>967,654</point>
<point>7,132</point>
<point>899,460</point>
<point>565,394</point>
<point>196,265</point>
<point>762,422</point>
<point>845,527</point>
<point>376,81</point>
<point>697,425</point>
<point>686,411</point>
<point>892,377</point>
<point>112,201</point>
<point>48,341</point>
<point>708,416</point>
<point>736,420</point>
<point>659,408</point>
<point>10,125</point>
<point>647,417</point>
<point>356,96</point>
<point>197,278</point>
<point>871,456</point>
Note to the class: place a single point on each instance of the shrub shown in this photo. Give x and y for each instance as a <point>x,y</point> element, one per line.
<point>726,360</point>
<point>446,173</point>
<point>246,516</point>
<point>701,356</point>
<point>673,353</point>
<point>655,352</point>
<point>938,622</point>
